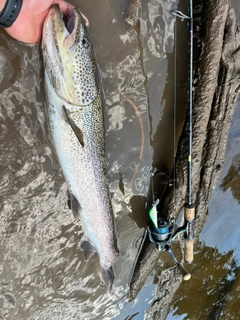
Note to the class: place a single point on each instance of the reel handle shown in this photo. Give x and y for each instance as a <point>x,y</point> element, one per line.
<point>185,274</point>
<point>189,213</point>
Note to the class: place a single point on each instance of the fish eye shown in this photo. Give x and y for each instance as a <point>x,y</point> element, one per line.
<point>85,42</point>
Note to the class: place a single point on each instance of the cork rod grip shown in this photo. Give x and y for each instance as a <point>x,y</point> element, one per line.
<point>188,257</point>
<point>189,213</point>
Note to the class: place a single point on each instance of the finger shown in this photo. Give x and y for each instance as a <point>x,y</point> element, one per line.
<point>64,6</point>
<point>85,19</point>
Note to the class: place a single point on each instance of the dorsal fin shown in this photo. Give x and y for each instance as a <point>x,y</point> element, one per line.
<point>75,129</point>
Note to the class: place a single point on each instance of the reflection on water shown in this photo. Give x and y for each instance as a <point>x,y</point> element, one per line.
<point>223,220</point>
<point>42,272</point>
<point>232,179</point>
<point>212,287</point>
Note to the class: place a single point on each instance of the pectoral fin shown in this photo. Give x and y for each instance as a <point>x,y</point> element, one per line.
<point>88,250</point>
<point>75,129</point>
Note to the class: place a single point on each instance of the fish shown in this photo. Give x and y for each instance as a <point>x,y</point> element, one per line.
<point>75,116</point>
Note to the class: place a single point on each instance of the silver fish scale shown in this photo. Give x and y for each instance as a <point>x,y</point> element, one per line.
<point>84,169</point>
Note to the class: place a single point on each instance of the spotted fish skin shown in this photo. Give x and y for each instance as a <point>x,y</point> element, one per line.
<point>76,123</point>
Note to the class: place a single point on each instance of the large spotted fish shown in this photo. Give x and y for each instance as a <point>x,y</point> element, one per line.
<point>76,122</point>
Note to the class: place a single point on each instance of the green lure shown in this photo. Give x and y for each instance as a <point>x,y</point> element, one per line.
<point>153,214</point>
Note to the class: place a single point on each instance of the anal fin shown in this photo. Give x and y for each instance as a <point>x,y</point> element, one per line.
<point>108,277</point>
<point>88,250</point>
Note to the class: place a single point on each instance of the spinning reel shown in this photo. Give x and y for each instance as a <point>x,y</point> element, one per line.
<point>161,233</point>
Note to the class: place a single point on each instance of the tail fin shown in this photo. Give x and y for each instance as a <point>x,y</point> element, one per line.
<point>108,277</point>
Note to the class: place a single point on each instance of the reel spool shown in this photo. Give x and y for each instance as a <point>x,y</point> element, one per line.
<point>162,234</point>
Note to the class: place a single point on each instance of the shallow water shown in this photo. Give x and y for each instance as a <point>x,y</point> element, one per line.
<point>42,272</point>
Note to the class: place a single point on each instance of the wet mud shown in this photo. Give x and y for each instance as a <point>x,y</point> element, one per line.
<point>131,12</point>
<point>216,89</point>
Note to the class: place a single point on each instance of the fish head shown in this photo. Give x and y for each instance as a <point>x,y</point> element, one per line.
<point>68,56</point>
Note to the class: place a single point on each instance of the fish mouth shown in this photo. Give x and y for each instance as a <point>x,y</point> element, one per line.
<point>63,27</point>
<point>70,21</point>
<point>60,24</point>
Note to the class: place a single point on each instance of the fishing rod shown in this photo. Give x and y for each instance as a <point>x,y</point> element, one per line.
<point>160,232</point>
<point>189,207</point>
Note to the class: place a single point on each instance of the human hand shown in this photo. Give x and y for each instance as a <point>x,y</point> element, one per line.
<point>28,25</point>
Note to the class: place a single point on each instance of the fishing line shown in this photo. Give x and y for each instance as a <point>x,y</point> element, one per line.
<point>189,207</point>
<point>149,123</point>
<point>189,160</point>
<point>189,192</point>
<point>174,112</point>
<point>149,126</point>
<point>160,231</point>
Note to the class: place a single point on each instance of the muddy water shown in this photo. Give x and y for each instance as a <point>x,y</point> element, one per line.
<point>42,272</point>
<point>213,291</point>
